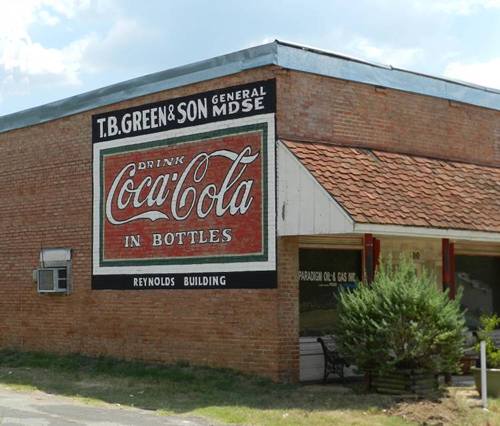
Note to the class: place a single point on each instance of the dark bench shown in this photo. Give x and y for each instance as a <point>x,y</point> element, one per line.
<point>334,363</point>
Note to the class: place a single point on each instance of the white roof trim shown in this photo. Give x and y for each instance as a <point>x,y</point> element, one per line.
<point>304,206</point>
<point>416,231</point>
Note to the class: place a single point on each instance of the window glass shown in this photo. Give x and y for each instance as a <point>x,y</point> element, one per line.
<point>322,273</point>
<point>62,278</point>
<point>46,279</point>
<point>479,279</point>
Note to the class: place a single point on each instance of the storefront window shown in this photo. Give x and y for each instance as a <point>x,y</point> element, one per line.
<point>479,279</point>
<point>322,273</point>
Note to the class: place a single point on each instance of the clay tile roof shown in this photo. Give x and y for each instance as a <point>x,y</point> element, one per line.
<point>397,189</point>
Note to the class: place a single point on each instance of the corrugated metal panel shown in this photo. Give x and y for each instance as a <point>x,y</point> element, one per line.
<point>312,362</point>
<point>286,55</point>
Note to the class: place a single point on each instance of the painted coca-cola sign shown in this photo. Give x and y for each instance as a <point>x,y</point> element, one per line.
<point>190,207</point>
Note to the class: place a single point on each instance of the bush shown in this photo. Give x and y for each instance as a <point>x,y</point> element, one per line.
<point>488,324</point>
<point>400,321</point>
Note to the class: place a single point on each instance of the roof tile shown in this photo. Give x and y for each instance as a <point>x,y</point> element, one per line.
<point>399,189</point>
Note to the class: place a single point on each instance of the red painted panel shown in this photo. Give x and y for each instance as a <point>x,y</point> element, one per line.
<point>369,261</point>
<point>376,252</point>
<point>188,200</point>
<point>453,286</point>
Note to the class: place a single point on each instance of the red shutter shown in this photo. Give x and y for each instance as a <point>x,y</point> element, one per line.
<point>376,253</point>
<point>448,253</point>
<point>369,258</point>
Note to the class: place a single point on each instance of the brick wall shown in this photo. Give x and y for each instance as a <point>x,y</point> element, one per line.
<point>288,308</point>
<point>312,107</point>
<point>45,201</point>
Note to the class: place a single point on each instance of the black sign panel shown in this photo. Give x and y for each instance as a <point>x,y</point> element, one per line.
<point>207,281</point>
<point>322,274</point>
<point>223,104</point>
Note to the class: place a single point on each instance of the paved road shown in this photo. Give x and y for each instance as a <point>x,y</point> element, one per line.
<point>41,409</point>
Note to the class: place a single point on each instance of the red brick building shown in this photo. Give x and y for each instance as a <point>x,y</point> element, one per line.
<point>257,184</point>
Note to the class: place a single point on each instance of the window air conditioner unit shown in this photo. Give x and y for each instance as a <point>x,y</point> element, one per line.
<point>52,280</point>
<point>54,273</point>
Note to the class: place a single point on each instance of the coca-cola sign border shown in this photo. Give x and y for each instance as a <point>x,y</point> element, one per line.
<point>192,207</point>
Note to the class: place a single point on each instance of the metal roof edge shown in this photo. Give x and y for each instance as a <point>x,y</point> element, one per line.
<point>285,54</point>
<point>330,64</point>
<point>196,72</point>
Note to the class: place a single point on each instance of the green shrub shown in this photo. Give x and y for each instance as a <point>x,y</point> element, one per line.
<point>488,324</point>
<point>401,320</point>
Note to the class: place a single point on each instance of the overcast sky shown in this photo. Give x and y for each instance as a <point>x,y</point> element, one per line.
<point>52,49</point>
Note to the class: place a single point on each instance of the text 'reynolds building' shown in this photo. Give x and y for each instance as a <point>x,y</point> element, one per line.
<point>211,213</point>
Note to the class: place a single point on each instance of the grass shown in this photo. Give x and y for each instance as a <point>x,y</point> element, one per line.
<point>218,394</point>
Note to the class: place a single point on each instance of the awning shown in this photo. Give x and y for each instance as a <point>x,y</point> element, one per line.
<point>383,192</point>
